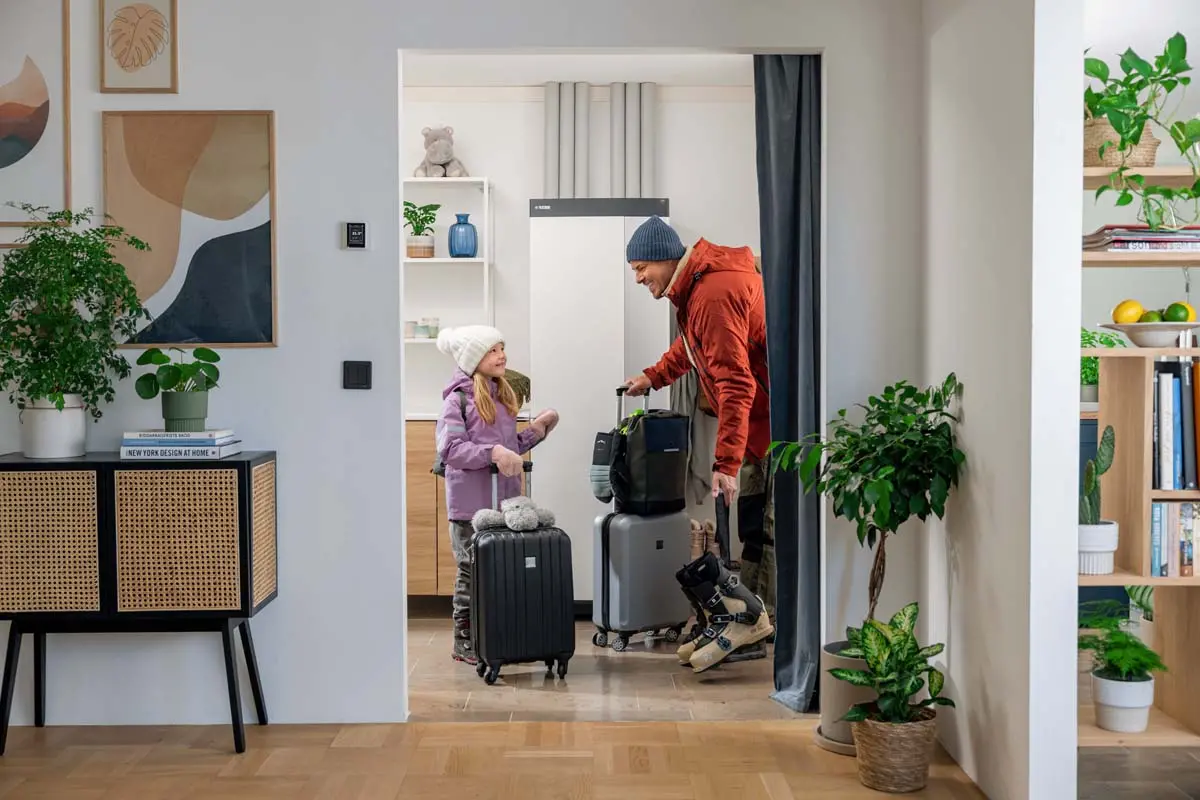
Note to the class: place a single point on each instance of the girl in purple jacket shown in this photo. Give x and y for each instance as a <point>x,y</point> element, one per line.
<point>477,428</point>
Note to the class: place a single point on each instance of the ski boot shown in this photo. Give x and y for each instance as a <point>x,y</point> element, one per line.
<point>734,618</point>
<point>695,637</point>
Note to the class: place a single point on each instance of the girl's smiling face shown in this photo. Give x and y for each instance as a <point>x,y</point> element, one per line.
<point>494,363</point>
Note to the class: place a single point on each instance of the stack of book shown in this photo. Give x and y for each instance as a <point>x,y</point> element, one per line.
<point>1126,238</point>
<point>1176,441</point>
<point>158,445</point>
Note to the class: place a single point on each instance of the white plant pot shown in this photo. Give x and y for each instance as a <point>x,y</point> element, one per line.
<point>1122,706</point>
<point>47,432</point>
<point>1097,546</point>
<point>1089,394</point>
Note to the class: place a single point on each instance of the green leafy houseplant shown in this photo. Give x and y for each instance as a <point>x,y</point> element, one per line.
<point>419,219</point>
<point>1089,366</point>
<point>67,304</point>
<point>896,669</point>
<point>1132,102</point>
<point>184,385</point>
<point>181,375</point>
<point>1089,498</point>
<point>1142,598</point>
<point>900,461</point>
<point>1119,654</point>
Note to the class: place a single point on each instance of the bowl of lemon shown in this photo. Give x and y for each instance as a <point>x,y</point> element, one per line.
<point>1161,327</point>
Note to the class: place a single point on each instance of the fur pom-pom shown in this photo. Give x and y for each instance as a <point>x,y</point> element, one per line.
<point>486,519</point>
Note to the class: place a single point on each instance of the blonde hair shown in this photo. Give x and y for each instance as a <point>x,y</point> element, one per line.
<point>485,407</point>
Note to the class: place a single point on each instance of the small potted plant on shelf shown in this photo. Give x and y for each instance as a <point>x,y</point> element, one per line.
<point>419,221</point>
<point>1089,366</point>
<point>1123,667</point>
<point>1098,538</point>
<point>1120,117</point>
<point>184,386</point>
<point>901,461</point>
<point>66,305</point>
<point>894,735</point>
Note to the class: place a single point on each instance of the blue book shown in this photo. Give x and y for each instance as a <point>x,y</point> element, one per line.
<point>1156,522</point>
<point>1177,432</point>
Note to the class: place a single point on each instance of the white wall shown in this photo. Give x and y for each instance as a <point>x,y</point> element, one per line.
<point>706,167</point>
<point>1108,30</point>
<point>331,646</point>
<point>1001,292</point>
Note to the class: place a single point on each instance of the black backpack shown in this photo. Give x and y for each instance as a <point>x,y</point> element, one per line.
<point>439,468</point>
<point>645,461</point>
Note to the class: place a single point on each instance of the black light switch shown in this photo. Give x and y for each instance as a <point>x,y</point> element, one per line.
<point>356,374</point>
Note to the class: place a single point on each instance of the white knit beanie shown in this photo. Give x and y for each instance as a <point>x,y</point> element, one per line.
<point>469,344</point>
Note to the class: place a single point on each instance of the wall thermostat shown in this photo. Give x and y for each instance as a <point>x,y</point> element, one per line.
<point>356,236</point>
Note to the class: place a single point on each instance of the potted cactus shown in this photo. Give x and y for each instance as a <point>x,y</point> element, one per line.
<point>1097,537</point>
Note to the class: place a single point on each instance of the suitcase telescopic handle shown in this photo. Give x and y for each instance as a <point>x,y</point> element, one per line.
<point>621,392</point>
<point>527,466</point>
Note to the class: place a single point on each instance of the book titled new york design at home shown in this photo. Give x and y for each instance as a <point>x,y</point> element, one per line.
<point>182,453</point>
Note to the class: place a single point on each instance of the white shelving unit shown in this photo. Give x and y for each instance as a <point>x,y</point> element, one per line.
<point>457,291</point>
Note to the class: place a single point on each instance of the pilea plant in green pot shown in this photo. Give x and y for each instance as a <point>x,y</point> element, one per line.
<point>184,385</point>
<point>894,733</point>
<point>899,462</point>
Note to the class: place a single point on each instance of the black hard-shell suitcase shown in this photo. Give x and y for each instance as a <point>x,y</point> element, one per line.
<point>522,596</point>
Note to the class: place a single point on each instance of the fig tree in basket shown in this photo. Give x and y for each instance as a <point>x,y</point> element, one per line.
<point>66,305</point>
<point>894,733</point>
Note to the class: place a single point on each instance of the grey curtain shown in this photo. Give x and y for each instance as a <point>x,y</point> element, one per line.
<point>787,94</point>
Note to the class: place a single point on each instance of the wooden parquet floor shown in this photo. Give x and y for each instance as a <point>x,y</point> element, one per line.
<point>714,760</point>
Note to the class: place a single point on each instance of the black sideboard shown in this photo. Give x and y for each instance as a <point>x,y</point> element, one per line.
<point>101,545</point>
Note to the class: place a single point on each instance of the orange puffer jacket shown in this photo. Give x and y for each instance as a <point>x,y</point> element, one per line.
<point>718,297</point>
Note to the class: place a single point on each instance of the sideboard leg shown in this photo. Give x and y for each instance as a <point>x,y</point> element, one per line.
<point>9,681</point>
<point>39,679</point>
<point>235,695</point>
<point>260,701</point>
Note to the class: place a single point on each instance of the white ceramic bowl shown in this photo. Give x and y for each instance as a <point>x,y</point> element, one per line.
<point>1153,334</point>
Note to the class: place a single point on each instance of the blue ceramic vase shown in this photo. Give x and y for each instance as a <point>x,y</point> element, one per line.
<point>464,239</point>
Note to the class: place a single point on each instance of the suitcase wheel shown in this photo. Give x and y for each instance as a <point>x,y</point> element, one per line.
<point>492,674</point>
<point>620,643</point>
<point>480,668</point>
<point>600,639</point>
<point>562,669</point>
<point>673,634</point>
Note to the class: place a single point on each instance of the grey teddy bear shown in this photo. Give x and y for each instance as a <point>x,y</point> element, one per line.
<point>516,514</point>
<point>439,159</point>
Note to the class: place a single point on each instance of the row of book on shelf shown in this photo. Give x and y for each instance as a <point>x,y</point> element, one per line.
<point>1125,238</point>
<point>167,445</point>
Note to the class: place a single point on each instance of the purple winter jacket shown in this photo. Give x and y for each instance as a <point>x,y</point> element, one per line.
<point>465,446</point>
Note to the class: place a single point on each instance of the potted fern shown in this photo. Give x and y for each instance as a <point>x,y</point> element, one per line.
<point>894,734</point>
<point>419,221</point>
<point>1123,671</point>
<point>899,462</point>
<point>1098,538</point>
<point>66,305</point>
<point>184,386</point>
<point>1089,366</point>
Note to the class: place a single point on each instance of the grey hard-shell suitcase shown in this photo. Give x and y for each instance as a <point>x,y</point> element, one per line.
<point>522,596</point>
<point>635,565</point>
<point>636,558</point>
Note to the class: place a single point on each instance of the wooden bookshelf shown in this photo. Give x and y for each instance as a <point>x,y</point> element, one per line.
<point>1141,258</point>
<point>1173,177</point>
<point>1144,353</point>
<point>1127,404</point>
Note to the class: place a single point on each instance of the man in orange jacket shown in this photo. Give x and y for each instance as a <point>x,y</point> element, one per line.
<point>718,297</point>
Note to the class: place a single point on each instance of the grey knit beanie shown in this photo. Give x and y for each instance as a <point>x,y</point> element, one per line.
<point>654,240</point>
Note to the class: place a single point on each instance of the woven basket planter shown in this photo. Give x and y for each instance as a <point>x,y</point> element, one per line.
<point>895,757</point>
<point>1097,131</point>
